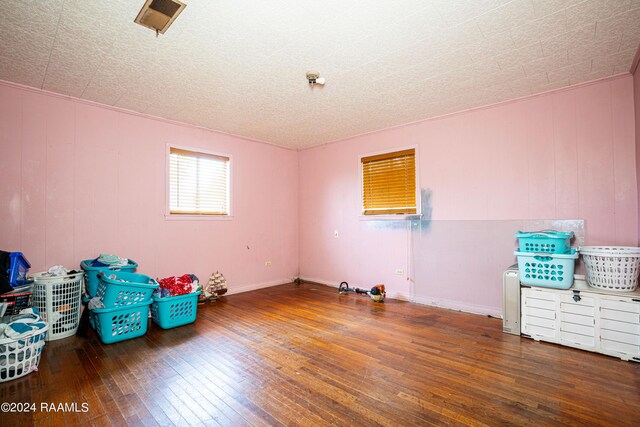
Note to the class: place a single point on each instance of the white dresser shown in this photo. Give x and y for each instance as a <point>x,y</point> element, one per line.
<point>584,317</point>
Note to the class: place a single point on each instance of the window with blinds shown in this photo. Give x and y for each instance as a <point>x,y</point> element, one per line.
<point>389,183</point>
<point>198,183</point>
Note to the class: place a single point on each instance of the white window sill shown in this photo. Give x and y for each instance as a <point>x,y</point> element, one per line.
<point>178,217</point>
<point>393,217</point>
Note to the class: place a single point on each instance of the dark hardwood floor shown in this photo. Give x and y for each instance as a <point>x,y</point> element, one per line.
<point>305,355</point>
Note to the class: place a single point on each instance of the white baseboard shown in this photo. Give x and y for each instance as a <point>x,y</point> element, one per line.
<point>253,287</point>
<point>460,306</point>
<point>433,302</point>
<point>320,281</point>
<point>401,296</point>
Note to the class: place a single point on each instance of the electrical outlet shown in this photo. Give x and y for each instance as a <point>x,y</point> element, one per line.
<point>399,272</point>
<point>336,234</point>
<point>267,263</point>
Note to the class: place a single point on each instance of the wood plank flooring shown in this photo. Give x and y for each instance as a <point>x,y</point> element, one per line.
<point>305,355</point>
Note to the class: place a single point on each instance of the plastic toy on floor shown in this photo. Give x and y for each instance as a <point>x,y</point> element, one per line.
<point>376,293</point>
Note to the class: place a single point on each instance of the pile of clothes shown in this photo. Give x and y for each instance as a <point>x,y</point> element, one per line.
<point>21,325</point>
<point>59,270</point>
<point>106,260</point>
<point>177,285</point>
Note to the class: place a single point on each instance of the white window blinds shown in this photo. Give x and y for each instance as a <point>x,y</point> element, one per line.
<point>198,183</point>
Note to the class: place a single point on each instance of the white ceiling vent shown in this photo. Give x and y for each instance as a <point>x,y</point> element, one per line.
<point>159,14</point>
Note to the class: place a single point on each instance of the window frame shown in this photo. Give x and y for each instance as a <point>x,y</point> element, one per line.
<point>198,217</point>
<point>389,217</point>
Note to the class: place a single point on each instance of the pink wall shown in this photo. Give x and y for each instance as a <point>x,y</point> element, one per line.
<point>563,155</point>
<point>80,179</point>
<point>636,97</point>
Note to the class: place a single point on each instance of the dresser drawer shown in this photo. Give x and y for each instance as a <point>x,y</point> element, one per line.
<point>570,338</point>
<point>621,337</point>
<point>577,319</point>
<point>618,305</point>
<point>585,306</point>
<point>613,325</point>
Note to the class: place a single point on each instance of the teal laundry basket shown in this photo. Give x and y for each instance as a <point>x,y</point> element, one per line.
<point>119,288</point>
<point>171,312</point>
<point>545,241</point>
<point>546,270</point>
<point>120,323</point>
<point>91,273</point>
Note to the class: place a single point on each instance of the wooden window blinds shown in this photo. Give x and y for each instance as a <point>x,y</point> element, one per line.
<point>389,183</point>
<point>198,183</point>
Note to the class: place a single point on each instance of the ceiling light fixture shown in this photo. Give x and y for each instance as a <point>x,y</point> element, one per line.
<point>314,78</point>
<point>159,14</point>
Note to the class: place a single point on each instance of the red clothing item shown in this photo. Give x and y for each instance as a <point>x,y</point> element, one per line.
<point>176,285</point>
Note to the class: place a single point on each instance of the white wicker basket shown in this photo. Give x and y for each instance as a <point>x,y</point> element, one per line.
<point>614,268</point>
<point>20,356</point>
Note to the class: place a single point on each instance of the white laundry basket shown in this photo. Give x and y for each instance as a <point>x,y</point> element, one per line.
<point>58,298</point>
<point>20,356</point>
<point>614,268</point>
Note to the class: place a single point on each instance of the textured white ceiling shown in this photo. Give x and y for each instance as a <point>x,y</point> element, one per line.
<point>239,66</point>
